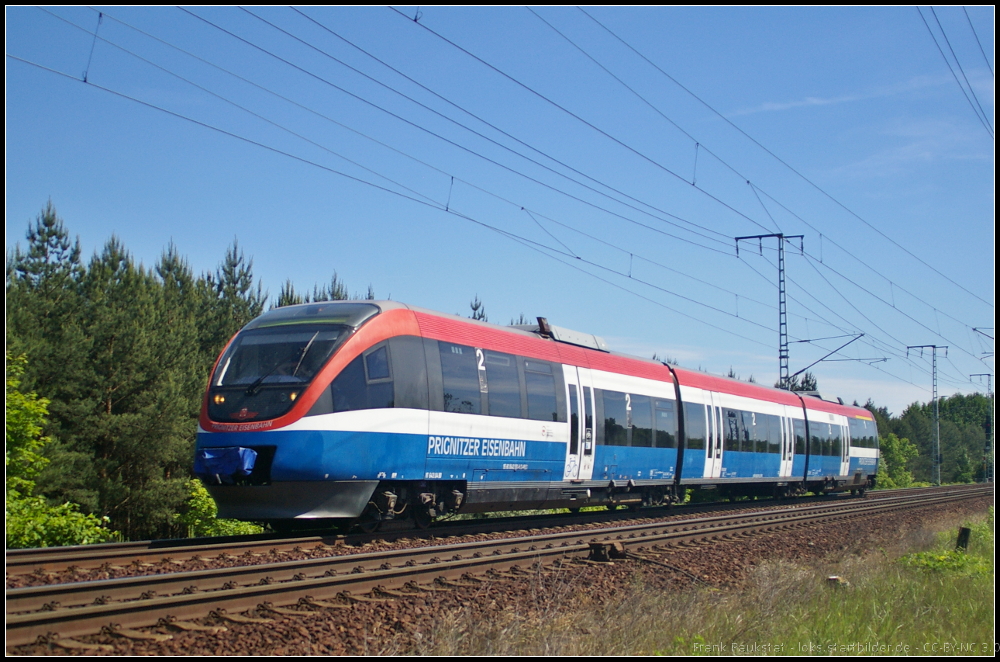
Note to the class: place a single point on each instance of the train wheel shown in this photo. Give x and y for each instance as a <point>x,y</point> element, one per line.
<point>612,507</point>
<point>421,517</point>
<point>369,522</point>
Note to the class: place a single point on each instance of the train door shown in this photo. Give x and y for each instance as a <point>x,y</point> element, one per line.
<point>845,451</point>
<point>713,447</point>
<point>580,449</point>
<point>787,445</point>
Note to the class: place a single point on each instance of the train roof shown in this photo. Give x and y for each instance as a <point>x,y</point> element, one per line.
<point>549,342</point>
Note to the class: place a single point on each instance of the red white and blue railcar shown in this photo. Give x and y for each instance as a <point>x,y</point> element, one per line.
<point>373,411</point>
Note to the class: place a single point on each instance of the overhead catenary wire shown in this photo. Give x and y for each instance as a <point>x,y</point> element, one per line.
<point>523,240</point>
<point>631,220</point>
<point>585,122</point>
<point>848,302</point>
<point>961,69</point>
<point>692,138</point>
<point>791,168</point>
<point>895,349</point>
<point>859,261</point>
<point>698,143</point>
<point>872,340</point>
<point>430,166</point>
<point>704,230</point>
<point>426,198</point>
<point>980,114</point>
<point>528,243</point>
<point>453,143</point>
<point>505,133</point>
<point>536,220</point>
<point>978,43</point>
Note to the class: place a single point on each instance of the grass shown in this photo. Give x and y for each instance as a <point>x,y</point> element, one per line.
<point>932,600</point>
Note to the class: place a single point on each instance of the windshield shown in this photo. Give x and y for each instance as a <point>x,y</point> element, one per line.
<point>278,355</point>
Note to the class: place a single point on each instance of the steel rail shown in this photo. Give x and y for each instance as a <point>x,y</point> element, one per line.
<point>26,561</point>
<point>277,584</point>
<point>144,586</point>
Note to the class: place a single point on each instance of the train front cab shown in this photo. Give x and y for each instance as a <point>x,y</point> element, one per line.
<point>323,397</point>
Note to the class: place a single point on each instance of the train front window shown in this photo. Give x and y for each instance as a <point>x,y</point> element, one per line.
<point>265,369</point>
<point>277,355</point>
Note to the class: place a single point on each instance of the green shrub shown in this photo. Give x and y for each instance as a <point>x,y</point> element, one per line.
<point>201,516</point>
<point>31,522</point>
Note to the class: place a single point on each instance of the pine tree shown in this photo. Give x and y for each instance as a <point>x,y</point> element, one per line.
<point>478,310</point>
<point>335,291</point>
<point>44,304</point>
<point>288,296</point>
<point>807,383</point>
<point>230,300</point>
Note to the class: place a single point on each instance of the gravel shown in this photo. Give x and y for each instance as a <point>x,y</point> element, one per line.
<point>404,625</point>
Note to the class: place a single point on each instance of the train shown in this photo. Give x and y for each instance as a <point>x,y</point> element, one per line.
<point>365,412</point>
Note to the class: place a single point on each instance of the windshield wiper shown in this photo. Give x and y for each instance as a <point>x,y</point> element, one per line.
<point>253,388</point>
<point>304,351</point>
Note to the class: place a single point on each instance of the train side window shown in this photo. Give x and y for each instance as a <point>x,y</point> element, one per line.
<point>760,433</point>
<point>460,377</point>
<point>822,439</point>
<point>540,383</point>
<point>836,440</point>
<point>799,428</point>
<point>599,417</point>
<point>351,390</point>
<point>574,421</point>
<point>504,394</point>
<point>694,426</point>
<point>734,424</point>
<point>642,421</point>
<point>379,386</point>
<point>377,364</point>
<point>751,436</point>
<point>615,419</point>
<point>862,433</point>
<point>409,372</point>
<point>773,433</point>
<point>666,424</point>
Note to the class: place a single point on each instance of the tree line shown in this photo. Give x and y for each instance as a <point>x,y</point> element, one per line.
<point>121,353</point>
<point>966,423</point>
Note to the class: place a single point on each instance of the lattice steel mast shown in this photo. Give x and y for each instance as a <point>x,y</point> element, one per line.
<point>782,311</point>
<point>937,419</point>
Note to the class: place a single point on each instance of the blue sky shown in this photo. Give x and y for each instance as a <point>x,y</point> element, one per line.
<point>592,167</point>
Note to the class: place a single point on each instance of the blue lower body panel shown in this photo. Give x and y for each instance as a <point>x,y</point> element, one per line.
<point>634,463</point>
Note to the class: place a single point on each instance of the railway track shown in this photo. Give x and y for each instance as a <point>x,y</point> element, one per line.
<point>174,599</point>
<point>166,552</point>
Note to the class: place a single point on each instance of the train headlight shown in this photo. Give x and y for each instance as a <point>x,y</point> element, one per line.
<point>293,395</point>
<point>219,398</point>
